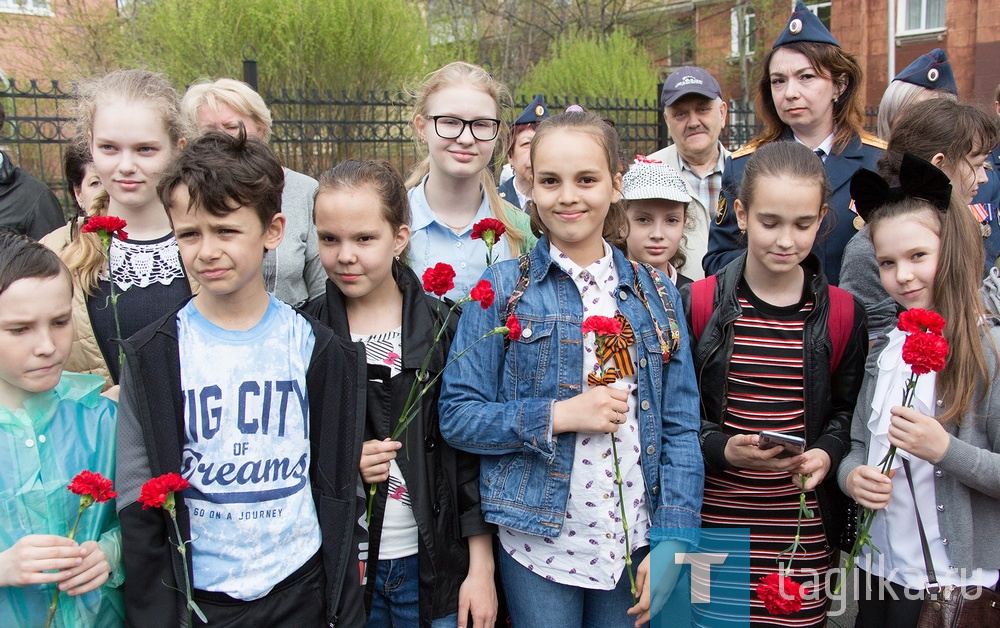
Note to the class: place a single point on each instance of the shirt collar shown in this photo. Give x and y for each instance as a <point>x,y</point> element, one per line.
<point>826,146</point>
<point>720,165</point>
<point>422,214</point>
<point>599,272</point>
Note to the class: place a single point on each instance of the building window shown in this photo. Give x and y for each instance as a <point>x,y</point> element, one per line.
<point>920,15</point>
<point>26,7</point>
<point>822,11</point>
<point>681,44</point>
<point>749,33</point>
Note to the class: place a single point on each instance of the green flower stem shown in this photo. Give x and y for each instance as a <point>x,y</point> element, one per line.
<point>621,504</point>
<point>182,548</point>
<point>866,516</point>
<point>417,392</point>
<point>106,242</point>
<point>85,502</point>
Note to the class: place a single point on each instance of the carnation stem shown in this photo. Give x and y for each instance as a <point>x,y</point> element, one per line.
<point>72,533</point>
<point>621,504</point>
<point>182,548</point>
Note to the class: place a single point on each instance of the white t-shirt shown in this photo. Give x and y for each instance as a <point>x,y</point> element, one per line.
<point>246,450</point>
<point>399,537</point>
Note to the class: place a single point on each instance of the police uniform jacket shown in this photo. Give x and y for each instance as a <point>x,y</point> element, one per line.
<point>508,192</point>
<point>724,243</point>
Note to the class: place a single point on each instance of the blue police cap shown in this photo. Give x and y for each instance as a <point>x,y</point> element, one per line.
<point>804,26</point>
<point>931,71</point>
<point>536,111</point>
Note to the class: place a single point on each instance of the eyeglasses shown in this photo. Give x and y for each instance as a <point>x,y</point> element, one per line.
<point>450,127</point>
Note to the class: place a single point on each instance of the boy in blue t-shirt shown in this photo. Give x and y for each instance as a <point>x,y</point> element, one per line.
<point>257,407</point>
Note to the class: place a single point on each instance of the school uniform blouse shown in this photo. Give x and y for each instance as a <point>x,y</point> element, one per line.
<point>590,550</point>
<point>433,241</point>
<point>894,528</point>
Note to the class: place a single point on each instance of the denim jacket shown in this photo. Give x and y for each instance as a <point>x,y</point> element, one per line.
<point>498,403</point>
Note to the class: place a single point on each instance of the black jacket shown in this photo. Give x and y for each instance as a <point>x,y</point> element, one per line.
<point>150,440</point>
<point>27,206</point>
<point>443,483</point>
<point>829,399</point>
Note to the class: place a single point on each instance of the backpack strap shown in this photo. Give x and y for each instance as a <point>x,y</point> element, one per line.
<point>840,320</point>
<point>523,267</point>
<point>670,339</point>
<point>702,305</point>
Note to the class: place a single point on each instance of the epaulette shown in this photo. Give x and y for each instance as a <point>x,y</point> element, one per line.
<point>746,150</point>
<point>871,140</point>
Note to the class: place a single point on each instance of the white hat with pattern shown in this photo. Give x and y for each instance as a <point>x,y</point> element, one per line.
<point>650,178</point>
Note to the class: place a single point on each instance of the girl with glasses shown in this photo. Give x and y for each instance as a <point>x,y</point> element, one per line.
<point>457,117</point>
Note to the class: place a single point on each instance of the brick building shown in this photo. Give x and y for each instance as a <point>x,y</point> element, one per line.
<point>969,30</point>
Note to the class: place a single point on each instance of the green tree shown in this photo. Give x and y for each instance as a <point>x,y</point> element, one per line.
<point>308,44</point>
<point>614,66</point>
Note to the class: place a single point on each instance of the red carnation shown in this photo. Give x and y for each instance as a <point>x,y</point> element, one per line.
<point>92,485</point>
<point>514,328</point>
<point>111,225</point>
<point>602,326</point>
<point>925,352</point>
<point>439,279</point>
<point>483,292</point>
<point>156,492</point>
<point>488,230</point>
<point>781,595</point>
<point>918,320</point>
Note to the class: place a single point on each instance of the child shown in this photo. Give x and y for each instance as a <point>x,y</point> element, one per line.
<point>458,117</point>
<point>544,435</point>
<point>257,407</point>
<point>957,139</point>
<point>426,518</point>
<point>53,426</point>
<point>768,343</point>
<point>657,213</point>
<point>929,257</point>
<point>131,122</point>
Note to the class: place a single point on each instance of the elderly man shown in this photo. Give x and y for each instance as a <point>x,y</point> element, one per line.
<point>695,115</point>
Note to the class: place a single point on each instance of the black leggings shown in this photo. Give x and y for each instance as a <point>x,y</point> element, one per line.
<point>885,604</point>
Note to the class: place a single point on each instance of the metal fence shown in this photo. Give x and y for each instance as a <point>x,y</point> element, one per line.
<point>314,130</point>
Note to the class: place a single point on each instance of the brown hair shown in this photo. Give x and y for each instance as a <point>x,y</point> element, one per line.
<point>616,225</point>
<point>956,298</point>
<point>223,173</point>
<point>830,62</point>
<point>23,258</point>
<point>84,255</point>
<point>459,73</point>
<point>938,125</point>
<point>783,160</point>
<point>378,176</point>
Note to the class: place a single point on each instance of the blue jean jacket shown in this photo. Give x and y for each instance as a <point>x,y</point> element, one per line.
<point>498,403</point>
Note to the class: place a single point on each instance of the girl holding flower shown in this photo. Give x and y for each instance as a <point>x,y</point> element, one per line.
<point>53,426</point>
<point>929,251</point>
<point>541,409</point>
<point>781,350</point>
<point>430,557</point>
<point>458,118</point>
<point>131,123</point>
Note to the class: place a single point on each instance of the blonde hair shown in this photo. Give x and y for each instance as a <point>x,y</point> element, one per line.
<point>236,95</point>
<point>84,255</point>
<point>897,97</point>
<point>458,73</point>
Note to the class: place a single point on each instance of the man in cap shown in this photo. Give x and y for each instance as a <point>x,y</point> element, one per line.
<point>517,189</point>
<point>695,115</point>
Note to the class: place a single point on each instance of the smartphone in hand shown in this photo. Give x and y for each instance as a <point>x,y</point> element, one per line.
<point>794,445</point>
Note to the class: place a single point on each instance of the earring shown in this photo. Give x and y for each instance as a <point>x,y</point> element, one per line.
<point>397,258</point>
<point>836,99</point>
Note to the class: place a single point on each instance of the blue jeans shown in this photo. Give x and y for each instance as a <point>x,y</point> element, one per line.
<point>396,601</point>
<point>534,601</point>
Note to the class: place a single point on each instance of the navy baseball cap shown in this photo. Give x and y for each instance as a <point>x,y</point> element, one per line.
<point>803,25</point>
<point>689,80</point>
<point>931,71</point>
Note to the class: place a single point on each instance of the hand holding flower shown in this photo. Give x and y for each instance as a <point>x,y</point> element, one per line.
<point>39,559</point>
<point>651,600</point>
<point>815,465</point>
<point>918,434</point>
<point>92,572</point>
<point>375,457</point>
<point>868,486</point>
<point>596,411</point>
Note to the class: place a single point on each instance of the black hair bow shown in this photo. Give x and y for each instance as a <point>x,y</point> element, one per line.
<point>918,178</point>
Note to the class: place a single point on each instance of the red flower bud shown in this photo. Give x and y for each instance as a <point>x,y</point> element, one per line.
<point>601,326</point>
<point>439,279</point>
<point>781,595</point>
<point>154,493</point>
<point>514,327</point>
<point>483,292</point>
<point>93,485</point>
